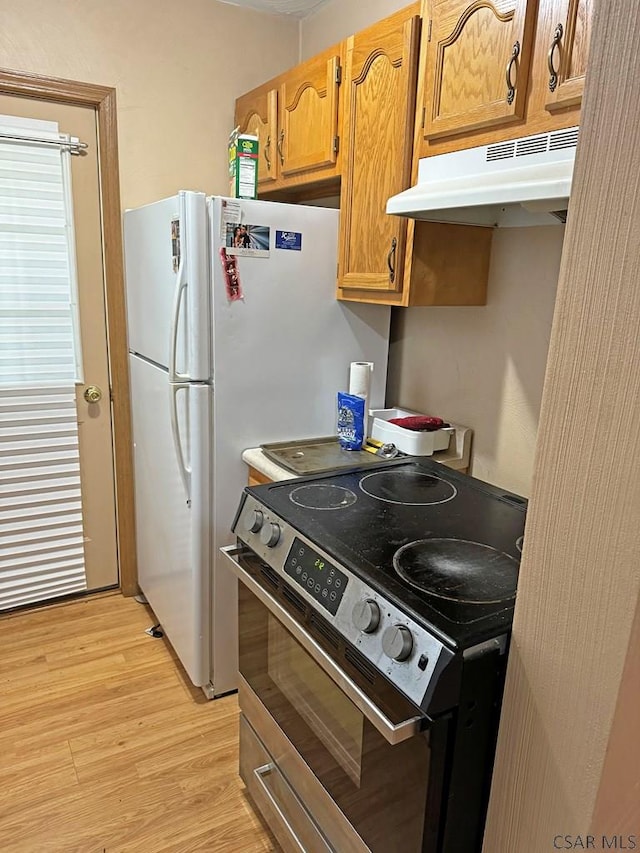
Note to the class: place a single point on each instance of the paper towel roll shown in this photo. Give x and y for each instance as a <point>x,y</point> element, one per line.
<point>360,381</point>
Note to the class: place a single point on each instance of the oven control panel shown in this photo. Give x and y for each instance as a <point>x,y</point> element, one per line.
<point>408,654</point>
<point>320,578</point>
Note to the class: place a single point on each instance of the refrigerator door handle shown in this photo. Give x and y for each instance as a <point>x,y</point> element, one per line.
<point>185,470</point>
<point>181,286</point>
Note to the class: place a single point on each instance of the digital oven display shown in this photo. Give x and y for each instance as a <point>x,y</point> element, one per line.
<point>320,579</point>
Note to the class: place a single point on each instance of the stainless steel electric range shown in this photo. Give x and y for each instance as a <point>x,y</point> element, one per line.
<point>375,608</point>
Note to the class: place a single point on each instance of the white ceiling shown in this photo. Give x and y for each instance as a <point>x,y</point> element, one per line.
<point>295,8</point>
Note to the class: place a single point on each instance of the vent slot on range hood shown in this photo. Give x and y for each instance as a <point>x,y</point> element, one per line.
<point>519,182</point>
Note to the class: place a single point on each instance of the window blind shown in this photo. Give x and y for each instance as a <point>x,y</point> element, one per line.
<point>41,536</point>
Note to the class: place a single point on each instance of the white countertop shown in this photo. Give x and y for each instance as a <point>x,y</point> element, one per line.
<point>256,459</point>
<point>457,457</point>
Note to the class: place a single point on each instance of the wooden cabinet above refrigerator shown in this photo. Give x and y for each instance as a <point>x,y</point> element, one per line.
<point>297,118</point>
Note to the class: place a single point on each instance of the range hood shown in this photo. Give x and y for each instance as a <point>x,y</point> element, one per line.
<point>519,182</point>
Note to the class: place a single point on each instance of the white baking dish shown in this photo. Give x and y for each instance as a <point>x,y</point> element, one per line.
<point>407,440</point>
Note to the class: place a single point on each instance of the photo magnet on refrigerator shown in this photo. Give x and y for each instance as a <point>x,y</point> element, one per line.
<point>249,240</point>
<point>175,243</point>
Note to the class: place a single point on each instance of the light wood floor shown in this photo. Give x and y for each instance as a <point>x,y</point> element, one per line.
<point>105,747</point>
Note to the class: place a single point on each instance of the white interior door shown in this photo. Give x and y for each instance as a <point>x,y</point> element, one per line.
<point>95,491</point>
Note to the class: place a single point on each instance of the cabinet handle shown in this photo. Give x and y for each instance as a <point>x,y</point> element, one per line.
<point>391,260</point>
<point>511,89</point>
<point>262,774</point>
<point>557,37</point>
<point>267,149</point>
<point>280,143</point>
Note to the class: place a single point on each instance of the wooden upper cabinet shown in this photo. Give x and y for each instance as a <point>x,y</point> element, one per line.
<point>257,114</point>
<point>308,136</point>
<point>476,63</point>
<point>379,92</point>
<point>568,50</point>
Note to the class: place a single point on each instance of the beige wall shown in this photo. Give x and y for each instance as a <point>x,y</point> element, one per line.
<point>482,367</point>
<point>339,19</point>
<point>177,68</point>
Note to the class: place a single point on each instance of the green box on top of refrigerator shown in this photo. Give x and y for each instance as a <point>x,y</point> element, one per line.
<point>243,165</point>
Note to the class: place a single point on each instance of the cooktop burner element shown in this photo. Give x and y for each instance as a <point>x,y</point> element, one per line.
<point>323,496</point>
<point>407,487</point>
<point>519,543</point>
<point>385,516</point>
<point>457,570</point>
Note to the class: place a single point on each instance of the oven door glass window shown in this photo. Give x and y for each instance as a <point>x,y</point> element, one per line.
<point>388,792</point>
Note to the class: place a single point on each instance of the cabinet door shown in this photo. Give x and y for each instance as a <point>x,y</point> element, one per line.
<point>308,136</point>
<point>257,478</point>
<point>568,51</point>
<point>379,92</point>
<point>257,113</point>
<point>476,63</point>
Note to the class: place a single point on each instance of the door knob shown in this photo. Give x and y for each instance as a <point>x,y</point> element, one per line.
<point>92,394</point>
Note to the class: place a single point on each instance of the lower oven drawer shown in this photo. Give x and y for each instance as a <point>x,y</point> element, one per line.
<point>285,814</point>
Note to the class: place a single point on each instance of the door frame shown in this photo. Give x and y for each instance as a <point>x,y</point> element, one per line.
<point>103,100</point>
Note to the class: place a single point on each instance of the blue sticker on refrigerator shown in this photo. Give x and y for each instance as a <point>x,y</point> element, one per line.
<point>289,240</point>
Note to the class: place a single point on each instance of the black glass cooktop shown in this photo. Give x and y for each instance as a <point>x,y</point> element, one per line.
<point>443,546</point>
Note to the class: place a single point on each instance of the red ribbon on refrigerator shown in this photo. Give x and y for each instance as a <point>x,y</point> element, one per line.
<point>231,276</point>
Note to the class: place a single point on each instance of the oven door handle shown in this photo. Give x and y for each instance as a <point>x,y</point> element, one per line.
<point>393,733</point>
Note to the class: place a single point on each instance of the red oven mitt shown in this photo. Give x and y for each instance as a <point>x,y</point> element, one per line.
<point>419,423</point>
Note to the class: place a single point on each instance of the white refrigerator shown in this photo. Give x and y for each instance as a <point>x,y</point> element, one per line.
<point>231,346</point>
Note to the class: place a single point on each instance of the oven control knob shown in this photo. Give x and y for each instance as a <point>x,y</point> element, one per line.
<point>270,534</point>
<point>366,615</point>
<point>254,521</point>
<point>397,642</point>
